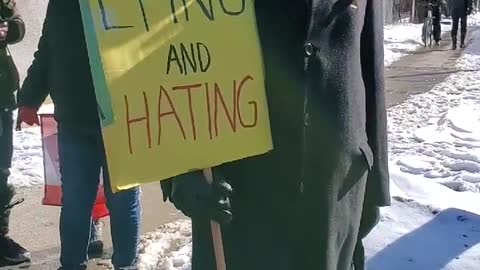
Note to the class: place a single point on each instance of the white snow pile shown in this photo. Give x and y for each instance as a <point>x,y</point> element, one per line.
<point>27,165</point>
<point>428,227</point>
<point>168,248</point>
<point>434,222</point>
<point>473,19</point>
<point>404,38</point>
<point>437,134</point>
<point>400,40</point>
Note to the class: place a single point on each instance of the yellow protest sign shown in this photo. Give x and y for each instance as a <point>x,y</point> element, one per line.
<point>179,85</point>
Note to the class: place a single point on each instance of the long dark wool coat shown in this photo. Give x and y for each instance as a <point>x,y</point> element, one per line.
<point>300,206</point>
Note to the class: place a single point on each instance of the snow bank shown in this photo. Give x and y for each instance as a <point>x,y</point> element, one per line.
<point>400,40</point>
<point>412,237</point>
<point>434,222</point>
<point>428,227</point>
<point>168,248</point>
<point>405,38</point>
<point>27,165</point>
<point>437,134</point>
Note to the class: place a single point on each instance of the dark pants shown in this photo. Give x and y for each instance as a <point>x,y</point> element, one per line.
<point>82,159</point>
<point>6,151</point>
<point>437,28</point>
<point>462,18</point>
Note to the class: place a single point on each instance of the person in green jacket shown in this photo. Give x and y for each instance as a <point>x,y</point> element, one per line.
<point>12,30</point>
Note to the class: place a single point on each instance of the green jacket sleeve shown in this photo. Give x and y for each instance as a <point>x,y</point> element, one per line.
<point>16,26</point>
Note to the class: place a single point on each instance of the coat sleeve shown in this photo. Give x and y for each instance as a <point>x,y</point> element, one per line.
<point>373,75</point>
<point>35,88</point>
<point>469,5</point>
<point>16,26</point>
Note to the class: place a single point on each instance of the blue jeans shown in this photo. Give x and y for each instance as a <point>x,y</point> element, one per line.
<point>82,159</point>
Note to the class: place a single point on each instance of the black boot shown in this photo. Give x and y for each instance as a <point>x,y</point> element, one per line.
<point>10,251</point>
<point>95,247</point>
<point>454,43</point>
<point>462,41</point>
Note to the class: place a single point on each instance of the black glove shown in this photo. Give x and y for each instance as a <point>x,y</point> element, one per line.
<point>191,194</point>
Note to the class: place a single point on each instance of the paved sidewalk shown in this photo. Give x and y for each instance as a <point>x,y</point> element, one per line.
<point>36,226</point>
<point>421,71</point>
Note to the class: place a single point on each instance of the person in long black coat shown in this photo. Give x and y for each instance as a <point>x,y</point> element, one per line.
<point>460,9</point>
<point>309,203</point>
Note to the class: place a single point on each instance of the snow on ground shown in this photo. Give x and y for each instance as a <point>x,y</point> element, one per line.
<point>168,248</point>
<point>404,38</point>
<point>434,222</point>
<point>437,134</point>
<point>401,39</point>
<point>27,165</point>
<point>428,227</point>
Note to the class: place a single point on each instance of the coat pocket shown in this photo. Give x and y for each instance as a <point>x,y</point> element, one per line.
<point>361,164</point>
<point>367,155</point>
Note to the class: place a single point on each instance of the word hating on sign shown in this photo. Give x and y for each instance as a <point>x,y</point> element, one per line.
<point>216,104</point>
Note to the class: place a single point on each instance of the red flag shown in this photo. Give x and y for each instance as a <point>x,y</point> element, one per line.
<point>53,184</point>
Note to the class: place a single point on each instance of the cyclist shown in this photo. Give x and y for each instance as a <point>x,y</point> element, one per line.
<point>435,6</point>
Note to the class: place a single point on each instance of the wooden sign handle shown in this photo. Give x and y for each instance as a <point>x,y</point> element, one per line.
<point>216,232</point>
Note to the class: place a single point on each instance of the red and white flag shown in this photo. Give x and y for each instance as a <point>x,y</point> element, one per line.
<point>53,184</point>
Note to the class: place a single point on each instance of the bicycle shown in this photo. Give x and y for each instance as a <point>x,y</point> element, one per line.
<point>427,29</point>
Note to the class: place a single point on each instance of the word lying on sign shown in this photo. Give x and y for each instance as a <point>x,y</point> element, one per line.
<point>207,7</point>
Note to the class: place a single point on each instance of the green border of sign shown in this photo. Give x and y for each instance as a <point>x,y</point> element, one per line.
<point>100,82</point>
